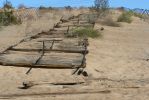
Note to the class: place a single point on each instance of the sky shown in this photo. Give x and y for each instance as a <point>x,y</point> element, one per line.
<point>76,3</point>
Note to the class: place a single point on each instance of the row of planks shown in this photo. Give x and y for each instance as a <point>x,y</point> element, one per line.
<point>49,49</point>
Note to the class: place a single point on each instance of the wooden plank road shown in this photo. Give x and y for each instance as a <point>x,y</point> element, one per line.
<point>49,50</point>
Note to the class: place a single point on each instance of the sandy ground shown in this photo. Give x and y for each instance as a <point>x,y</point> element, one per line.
<point>116,62</point>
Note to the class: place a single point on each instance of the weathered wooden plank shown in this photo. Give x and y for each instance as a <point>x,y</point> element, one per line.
<point>69,81</point>
<point>19,59</point>
<point>48,39</point>
<point>49,60</point>
<point>68,45</point>
<point>62,29</point>
<point>66,25</point>
<point>76,25</point>
<point>65,91</point>
<point>32,45</point>
<point>58,35</point>
<point>68,48</point>
<point>57,32</point>
<point>61,60</point>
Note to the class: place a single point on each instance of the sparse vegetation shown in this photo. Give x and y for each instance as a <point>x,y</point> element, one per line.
<point>101,7</point>
<point>90,18</point>
<point>125,17</point>
<point>85,32</point>
<point>7,17</point>
<point>8,5</point>
<point>69,8</point>
<point>108,21</point>
<point>45,8</point>
<point>92,9</point>
<point>135,14</point>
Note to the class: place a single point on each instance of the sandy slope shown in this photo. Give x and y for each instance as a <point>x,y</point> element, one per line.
<point>119,56</point>
<point>121,50</point>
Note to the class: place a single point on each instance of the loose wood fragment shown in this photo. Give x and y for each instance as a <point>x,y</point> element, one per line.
<point>67,91</point>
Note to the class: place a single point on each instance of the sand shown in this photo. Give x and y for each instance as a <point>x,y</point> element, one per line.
<point>116,62</point>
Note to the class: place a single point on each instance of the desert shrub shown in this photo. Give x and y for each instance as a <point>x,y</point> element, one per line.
<point>108,21</point>
<point>69,8</point>
<point>101,4</point>
<point>45,8</point>
<point>7,18</point>
<point>85,32</point>
<point>42,7</point>
<point>90,18</point>
<point>8,5</point>
<point>92,9</point>
<point>101,7</point>
<point>138,15</point>
<point>135,14</point>
<point>125,17</point>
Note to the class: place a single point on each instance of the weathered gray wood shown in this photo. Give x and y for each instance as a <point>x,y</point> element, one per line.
<point>61,29</point>
<point>83,22</point>
<point>75,19</point>
<point>68,48</point>
<point>69,81</point>
<point>19,59</point>
<point>57,32</point>
<point>49,60</point>
<point>76,25</point>
<point>64,29</point>
<point>65,91</point>
<point>53,36</point>
<point>66,24</point>
<point>32,45</point>
<point>67,17</point>
<point>67,45</point>
<point>48,39</point>
<point>61,60</point>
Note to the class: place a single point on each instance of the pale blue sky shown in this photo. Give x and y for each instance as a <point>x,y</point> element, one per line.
<point>60,3</point>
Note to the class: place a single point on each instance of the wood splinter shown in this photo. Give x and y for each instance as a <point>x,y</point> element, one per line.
<point>29,84</point>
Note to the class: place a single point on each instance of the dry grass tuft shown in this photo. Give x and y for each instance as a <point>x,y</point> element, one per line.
<point>108,21</point>
<point>84,32</point>
<point>125,17</point>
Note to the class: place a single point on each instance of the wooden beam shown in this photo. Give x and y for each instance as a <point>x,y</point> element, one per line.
<point>49,60</point>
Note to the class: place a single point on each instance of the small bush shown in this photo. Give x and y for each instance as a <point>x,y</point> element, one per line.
<point>45,8</point>
<point>135,14</point>
<point>125,17</point>
<point>7,18</point>
<point>69,8</point>
<point>85,32</point>
<point>90,18</point>
<point>109,22</point>
<point>138,15</point>
<point>8,5</point>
